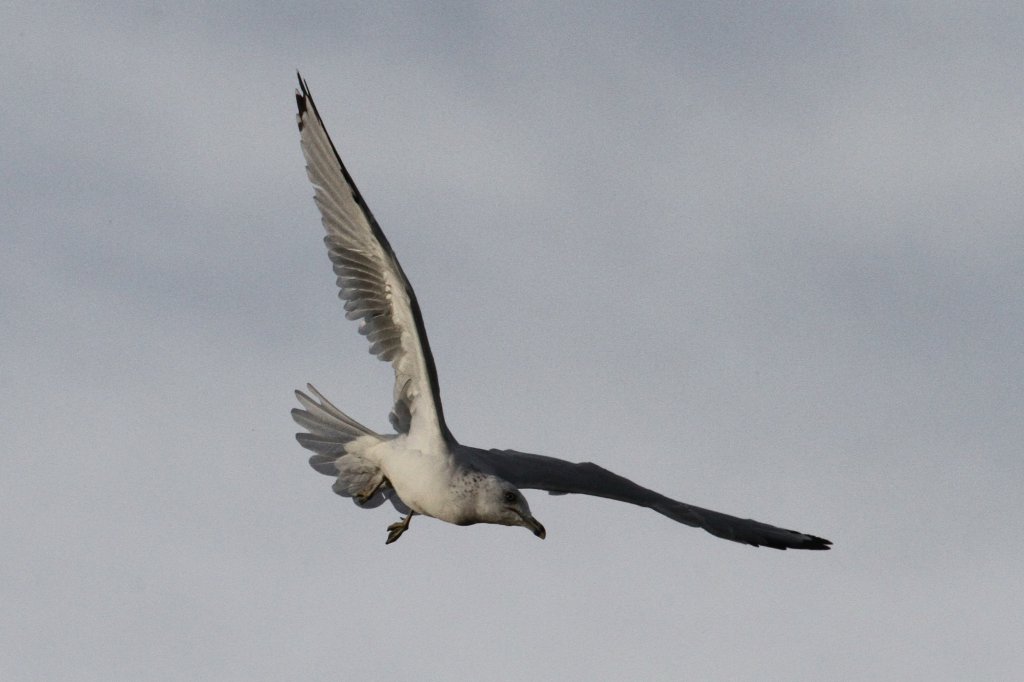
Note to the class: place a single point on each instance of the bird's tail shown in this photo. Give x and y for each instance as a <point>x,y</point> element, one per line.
<point>340,443</point>
<point>330,431</point>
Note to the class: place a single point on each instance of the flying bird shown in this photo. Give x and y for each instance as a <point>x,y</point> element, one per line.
<point>422,468</point>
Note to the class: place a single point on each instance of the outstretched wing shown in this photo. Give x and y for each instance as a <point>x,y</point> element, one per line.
<point>557,476</point>
<point>372,284</point>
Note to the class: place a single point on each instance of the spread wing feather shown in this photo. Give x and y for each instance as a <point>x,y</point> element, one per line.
<point>372,283</point>
<point>558,476</point>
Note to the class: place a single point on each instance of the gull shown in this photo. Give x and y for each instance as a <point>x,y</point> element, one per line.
<point>422,468</point>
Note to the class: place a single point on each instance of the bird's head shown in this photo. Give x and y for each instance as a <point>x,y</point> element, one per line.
<point>498,501</point>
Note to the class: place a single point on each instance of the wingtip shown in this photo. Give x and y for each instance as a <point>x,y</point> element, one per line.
<point>806,541</point>
<point>814,542</point>
<point>302,99</point>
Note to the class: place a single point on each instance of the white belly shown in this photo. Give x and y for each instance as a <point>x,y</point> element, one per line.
<point>422,479</point>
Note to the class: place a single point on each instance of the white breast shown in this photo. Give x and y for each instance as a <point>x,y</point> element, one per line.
<point>422,479</point>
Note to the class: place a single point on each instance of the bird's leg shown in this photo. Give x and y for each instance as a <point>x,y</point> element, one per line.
<point>396,529</point>
<point>365,495</point>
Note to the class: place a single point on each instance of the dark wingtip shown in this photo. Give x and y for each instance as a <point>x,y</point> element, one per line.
<point>302,98</point>
<point>805,541</point>
<point>814,542</point>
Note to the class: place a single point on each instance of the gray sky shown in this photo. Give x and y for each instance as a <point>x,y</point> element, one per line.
<point>766,259</point>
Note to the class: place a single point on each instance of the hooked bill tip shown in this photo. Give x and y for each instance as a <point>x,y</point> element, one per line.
<point>538,530</point>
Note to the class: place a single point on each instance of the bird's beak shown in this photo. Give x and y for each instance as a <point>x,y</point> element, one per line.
<point>534,525</point>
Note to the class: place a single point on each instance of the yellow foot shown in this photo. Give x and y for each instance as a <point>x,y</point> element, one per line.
<point>396,529</point>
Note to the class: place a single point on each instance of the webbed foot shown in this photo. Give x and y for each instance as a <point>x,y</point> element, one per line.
<point>396,529</point>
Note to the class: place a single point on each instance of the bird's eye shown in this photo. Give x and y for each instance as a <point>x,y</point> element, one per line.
<point>510,497</point>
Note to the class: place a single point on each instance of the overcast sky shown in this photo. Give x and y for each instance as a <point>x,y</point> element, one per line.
<point>765,258</point>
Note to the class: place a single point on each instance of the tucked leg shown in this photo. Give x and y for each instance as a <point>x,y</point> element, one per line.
<point>365,495</point>
<point>395,530</point>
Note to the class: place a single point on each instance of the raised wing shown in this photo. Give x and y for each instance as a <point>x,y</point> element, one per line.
<point>558,476</point>
<point>372,284</point>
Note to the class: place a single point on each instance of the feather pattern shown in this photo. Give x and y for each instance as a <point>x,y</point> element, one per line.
<point>373,285</point>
